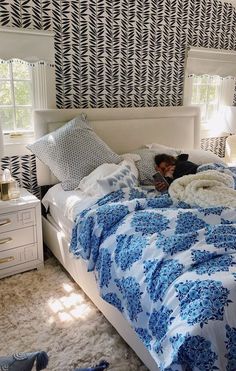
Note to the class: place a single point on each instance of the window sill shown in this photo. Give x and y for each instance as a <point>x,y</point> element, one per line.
<point>18,139</point>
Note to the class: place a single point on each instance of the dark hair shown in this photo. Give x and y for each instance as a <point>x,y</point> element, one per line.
<point>163,157</point>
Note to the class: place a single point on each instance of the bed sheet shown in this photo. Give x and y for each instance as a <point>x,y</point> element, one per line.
<point>61,222</point>
<point>68,203</point>
<point>63,206</point>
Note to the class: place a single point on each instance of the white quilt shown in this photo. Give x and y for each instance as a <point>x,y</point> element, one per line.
<point>204,189</point>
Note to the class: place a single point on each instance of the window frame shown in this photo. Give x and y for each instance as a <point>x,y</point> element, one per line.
<point>18,132</point>
<point>30,46</point>
<point>205,106</point>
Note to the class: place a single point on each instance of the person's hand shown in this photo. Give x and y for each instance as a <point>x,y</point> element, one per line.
<point>161,186</point>
<point>169,171</point>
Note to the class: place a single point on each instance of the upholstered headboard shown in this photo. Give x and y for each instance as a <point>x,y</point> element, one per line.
<point>126,129</point>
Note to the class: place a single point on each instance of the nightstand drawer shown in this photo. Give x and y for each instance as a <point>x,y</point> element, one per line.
<point>13,257</point>
<point>12,239</point>
<point>17,220</point>
<point>21,247</point>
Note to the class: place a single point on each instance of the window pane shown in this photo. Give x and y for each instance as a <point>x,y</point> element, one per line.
<point>4,71</point>
<point>203,112</point>
<point>212,93</point>
<point>195,95</point>
<point>206,93</point>
<point>6,117</point>
<point>22,91</point>
<point>20,71</point>
<point>5,93</point>
<point>24,118</point>
<point>203,94</point>
<point>210,111</point>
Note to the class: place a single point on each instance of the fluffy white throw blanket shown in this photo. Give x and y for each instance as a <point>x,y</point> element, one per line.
<point>204,189</point>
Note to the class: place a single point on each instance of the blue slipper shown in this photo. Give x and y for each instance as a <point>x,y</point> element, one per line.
<point>103,365</point>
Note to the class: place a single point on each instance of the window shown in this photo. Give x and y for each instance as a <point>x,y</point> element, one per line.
<point>210,82</point>
<point>206,93</point>
<point>27,80</point>
<point>16,98</point>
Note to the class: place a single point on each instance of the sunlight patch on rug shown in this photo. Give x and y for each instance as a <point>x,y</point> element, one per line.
<point>69,308</point>
<point>46,310</point>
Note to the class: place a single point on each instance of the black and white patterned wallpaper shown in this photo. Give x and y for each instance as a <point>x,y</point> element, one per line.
<point>216,145</point>
<point>112,53</point>
<point>121,53</point>
<point>23,169</point>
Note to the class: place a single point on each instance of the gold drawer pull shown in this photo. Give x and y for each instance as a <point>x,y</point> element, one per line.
<point>5,240</point>
<point>4,222</point>
<point>7,259</point>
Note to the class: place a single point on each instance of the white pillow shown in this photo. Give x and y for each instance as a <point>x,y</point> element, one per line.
<point>121,178</point>
<point>164,149</point>
<point>90,184</point>
<point>198,156</point>
<point>131,157</point>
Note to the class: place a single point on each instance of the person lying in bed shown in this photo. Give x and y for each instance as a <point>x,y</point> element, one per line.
<point>171,168</point>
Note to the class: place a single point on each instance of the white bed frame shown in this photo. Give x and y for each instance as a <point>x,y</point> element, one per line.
<point>123,129</point>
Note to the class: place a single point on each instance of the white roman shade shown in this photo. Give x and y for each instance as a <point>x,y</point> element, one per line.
<point>36,48</point>
<point>28,45</point>
<point>207,61</point>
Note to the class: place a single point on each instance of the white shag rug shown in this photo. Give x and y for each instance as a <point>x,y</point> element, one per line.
<point>46,310</point>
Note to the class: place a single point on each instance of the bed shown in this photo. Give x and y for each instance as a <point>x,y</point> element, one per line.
<point>123,130</point>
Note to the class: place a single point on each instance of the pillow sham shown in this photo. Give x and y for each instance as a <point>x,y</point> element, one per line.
<point>73,151</point>
<point>146,165</point>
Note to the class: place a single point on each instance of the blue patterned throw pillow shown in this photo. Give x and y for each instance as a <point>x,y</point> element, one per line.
<point>121,178</point>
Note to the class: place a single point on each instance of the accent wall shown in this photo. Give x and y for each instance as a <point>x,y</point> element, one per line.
<point>112,53</point>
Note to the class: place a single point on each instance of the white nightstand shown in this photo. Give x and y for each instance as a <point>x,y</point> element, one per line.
<point>21,246</point>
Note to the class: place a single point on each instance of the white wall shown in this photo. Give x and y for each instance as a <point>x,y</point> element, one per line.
<point>16,149</point>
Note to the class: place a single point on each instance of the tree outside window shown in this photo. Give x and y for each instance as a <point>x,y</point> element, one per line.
<point>206,93</point>
<point>16,102</point>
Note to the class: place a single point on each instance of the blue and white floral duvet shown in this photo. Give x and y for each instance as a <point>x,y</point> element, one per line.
<point>170,270</point>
